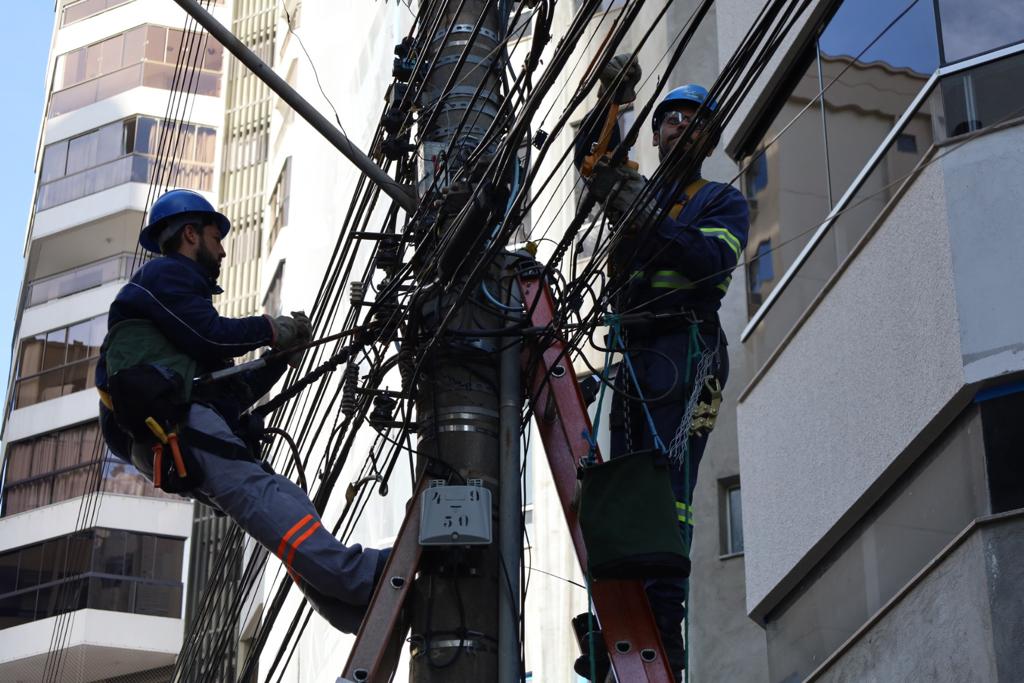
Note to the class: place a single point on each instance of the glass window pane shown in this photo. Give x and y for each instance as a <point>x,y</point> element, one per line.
<point>790,194</point>
<point>735,521</point>
<point>213,60</point>
<point>168,558</point>
<point>110,594</point>
<point>44,453</point>
<point>865,96</point>
<point>19,462</point>
<point>83,152</point>
<point>970,28</point>
<point>174,45</point>
<point>56,349</point>
<point>17,609</point>
<point>129,136</point>
<point>134,46</point>
<point>31,566</point>
<point>93,60</point>
<point>9,571</point>
<point>55,159</point>
<point>110,142</point>
<point>145,135</point>
<point>206,145</point>
<point>156,43</point>
<point>108,551</point>
<point>133,553</point>
<point>75,483</point>
<point>79,554</point>
<point>74,68</point>
<point>159,601</point>
<point>110,54</point>
<point>31,359</point>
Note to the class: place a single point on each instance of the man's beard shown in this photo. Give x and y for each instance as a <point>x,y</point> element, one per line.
<point>208,261</point>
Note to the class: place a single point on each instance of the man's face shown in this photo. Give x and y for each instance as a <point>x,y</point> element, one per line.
<point>211,251</point>
<point>670,130</point>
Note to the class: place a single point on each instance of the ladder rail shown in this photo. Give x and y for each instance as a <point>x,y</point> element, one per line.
<point>623,612</point>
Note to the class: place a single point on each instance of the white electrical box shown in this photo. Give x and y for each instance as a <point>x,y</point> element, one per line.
<point>455,515</point>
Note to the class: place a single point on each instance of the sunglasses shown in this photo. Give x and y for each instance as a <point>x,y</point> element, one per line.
<point>676,118</point>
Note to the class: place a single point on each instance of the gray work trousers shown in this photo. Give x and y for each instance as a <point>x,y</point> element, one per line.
<point>337,579</point>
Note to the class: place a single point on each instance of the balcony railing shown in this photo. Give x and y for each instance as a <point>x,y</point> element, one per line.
<point>136,168</point>
<point>68,282</point>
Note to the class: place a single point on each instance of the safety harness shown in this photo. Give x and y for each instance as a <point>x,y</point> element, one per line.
<point>148,391</point>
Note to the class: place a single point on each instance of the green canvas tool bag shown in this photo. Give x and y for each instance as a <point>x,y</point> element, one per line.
<point>627,514</point>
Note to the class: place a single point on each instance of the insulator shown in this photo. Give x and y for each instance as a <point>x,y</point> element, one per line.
<point>356,292</point>
<point>383,411</point>
<point>403,68</point>
<point>348,390</point>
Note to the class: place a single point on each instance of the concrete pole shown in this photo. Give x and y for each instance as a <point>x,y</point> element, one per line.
<point>510,505</point>
<point>455,599</point>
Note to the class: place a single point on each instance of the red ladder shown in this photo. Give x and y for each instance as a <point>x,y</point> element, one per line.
<point>621,607</point>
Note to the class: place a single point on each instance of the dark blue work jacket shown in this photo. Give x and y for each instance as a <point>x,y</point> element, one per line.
<point>686,260</point>
<point>176,294</point>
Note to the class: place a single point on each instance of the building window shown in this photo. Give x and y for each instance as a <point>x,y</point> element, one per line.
<point>733,521</point>
<point>272,301</point>
<point>279,201</point>
<point>126,151</point>
<point>83,9</point>
<point>58,362</point>
<point>68,282</point>
<point>144,56</point>
<point>760,270</point>
<point>66,464</point>
<point>108,569</point>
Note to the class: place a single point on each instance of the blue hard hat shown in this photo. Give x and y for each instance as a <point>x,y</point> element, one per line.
<point>691,92</point>
<point>175,203</point>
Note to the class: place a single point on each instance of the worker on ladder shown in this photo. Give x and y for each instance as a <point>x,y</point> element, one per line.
<point>673,249</point>
<point>162,332</point>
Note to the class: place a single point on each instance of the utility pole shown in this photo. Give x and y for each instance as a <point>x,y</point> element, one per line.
<point>455,603</point>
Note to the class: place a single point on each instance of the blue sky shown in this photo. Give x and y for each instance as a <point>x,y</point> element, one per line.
<point>26,38</point>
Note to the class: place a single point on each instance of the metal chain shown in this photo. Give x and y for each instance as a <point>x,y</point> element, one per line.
<point>678,448</point>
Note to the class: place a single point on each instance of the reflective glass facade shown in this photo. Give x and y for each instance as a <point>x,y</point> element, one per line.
<point>106,569</point>
<point>847,130</point>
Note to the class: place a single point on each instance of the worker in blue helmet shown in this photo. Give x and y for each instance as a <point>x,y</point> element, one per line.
<point>191,438</point>
<point>673,246</point>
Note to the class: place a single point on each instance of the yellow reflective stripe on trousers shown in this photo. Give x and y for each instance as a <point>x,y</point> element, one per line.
<point>724,285</point>
<point>669,279</point>
<point>725,236</point>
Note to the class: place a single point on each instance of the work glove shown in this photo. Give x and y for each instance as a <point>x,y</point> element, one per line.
<point>291,331</point>
<point>628,196</point>
<point>625,88</point>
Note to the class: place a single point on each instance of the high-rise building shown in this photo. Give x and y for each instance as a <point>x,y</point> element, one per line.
<point>93,560</point>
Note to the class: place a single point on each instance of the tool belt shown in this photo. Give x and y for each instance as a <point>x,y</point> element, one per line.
<point>640,325</point>
<point>148,391</point>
